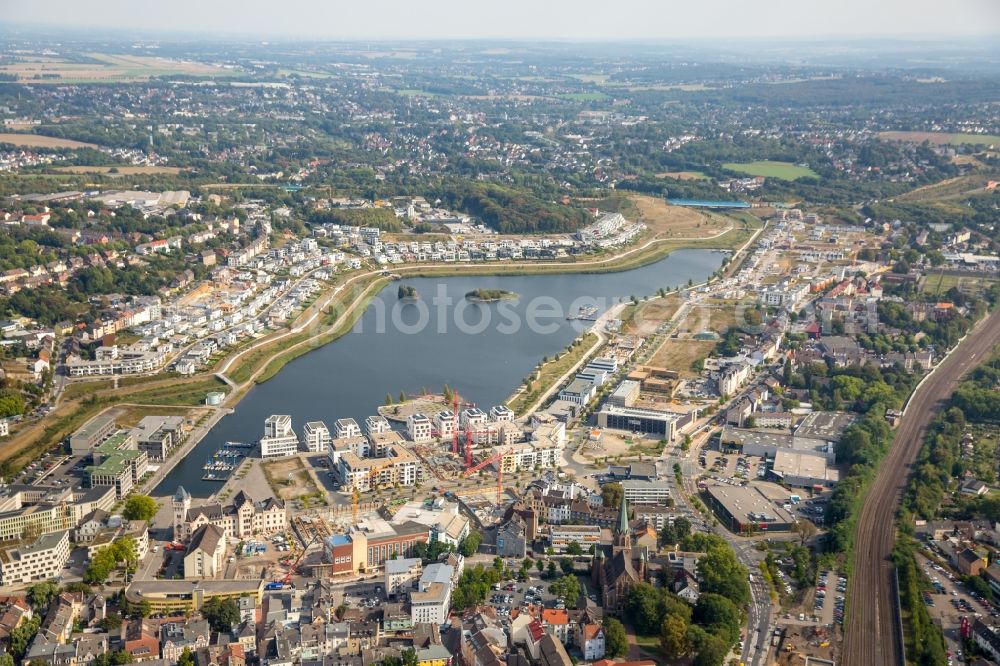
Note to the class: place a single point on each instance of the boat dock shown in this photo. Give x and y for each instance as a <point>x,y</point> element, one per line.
<point>584,314</point>
<point>224,461</point>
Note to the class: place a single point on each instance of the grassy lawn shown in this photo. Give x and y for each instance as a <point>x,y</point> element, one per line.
<point>769,169</point>
<point>82,389</point>
<point>188,393</point>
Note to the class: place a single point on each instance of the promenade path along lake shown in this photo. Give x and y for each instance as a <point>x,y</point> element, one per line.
<point>390,351</point>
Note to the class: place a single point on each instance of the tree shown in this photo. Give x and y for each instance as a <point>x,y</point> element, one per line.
<point>615,641</point>
<point>402,397</point>
<point>111,621</point>
<point>470,544</point>
<point>186,658</point>
<point>718,616</point>
<point>574,548</point>
<point>567,588</point>
<point>721,573</point>
<point>6,659</point>
<point>409,657</point>
<point>140,507</point>
<point>540,566</point>
<point>21,637</point>
<point>611,495</point>
<point>805,529</point>
<point>222,614</point>
<point>673,637</point>
<point>551,569</point>
<point>388,398</point>
<point>40,595</point>
<point>711,652</point>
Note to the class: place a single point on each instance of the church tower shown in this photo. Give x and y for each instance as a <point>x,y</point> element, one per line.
<point>623,534</point>
<point>181,504</point>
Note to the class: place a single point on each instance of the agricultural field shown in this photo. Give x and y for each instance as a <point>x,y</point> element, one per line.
<point>104,68</point>
<point>39,141</point>
<point>123,170</point>
<point>769,169</point>
<point>941,138</point>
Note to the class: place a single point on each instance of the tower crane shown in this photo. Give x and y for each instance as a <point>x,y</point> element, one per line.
<point>495,458</point>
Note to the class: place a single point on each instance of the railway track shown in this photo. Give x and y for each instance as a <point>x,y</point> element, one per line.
<point>870,635</point>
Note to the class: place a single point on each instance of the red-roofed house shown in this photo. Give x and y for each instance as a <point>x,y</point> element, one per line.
<point>556,623</point>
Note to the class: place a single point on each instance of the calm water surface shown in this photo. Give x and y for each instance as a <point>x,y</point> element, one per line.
<point>482,350</point>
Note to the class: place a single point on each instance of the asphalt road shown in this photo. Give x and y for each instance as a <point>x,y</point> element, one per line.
<point>870,627</point>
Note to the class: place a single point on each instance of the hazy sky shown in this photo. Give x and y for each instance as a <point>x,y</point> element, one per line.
<point>528,19</point>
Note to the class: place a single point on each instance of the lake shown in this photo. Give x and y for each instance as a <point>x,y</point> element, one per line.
<point>482,350</point>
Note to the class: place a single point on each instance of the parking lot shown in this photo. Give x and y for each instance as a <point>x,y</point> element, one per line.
<point>950,600</point>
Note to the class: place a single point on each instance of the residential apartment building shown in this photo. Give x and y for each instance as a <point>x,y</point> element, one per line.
<point>346,428</point>
<point>419,428</point>
<point>316,437</point>
<point>398,467</point>
<point>279,439</point>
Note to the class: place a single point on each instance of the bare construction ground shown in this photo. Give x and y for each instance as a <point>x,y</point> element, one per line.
<point>666,221</point>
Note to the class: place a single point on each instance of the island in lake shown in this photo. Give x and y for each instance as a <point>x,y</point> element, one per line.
<point>489,295</point>
<point>407,293</point>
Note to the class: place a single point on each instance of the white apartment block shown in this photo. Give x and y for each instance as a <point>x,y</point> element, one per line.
<point>473,418</point>
<point>377,424</point>
<point>42,559</point>
<point>431,604</point>
<point>419,428</point>
<point>346,428</point>
<point>501,414</point>
<point>444,421</point>
<point>279,440</point>
<point>316,437</point>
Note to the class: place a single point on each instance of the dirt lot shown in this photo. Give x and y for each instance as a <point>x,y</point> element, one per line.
<point>667,221</point>
<point>39,141</point>
<point>678,355</point>
<point>425,404</point>
<point>290,478</point>
<point>652,314</point>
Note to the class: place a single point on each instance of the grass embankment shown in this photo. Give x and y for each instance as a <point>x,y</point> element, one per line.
<point>182,393</point>
<point>268,359</point>
<point>550,372</point>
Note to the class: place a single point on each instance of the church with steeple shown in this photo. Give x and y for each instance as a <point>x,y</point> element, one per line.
<point>616,568</point>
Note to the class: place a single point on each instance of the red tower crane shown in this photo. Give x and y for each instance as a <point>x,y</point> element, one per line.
<point>495,458</point>
<point>454,424</point>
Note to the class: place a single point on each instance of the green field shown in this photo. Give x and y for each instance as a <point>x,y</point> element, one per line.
<point>769,169</point>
